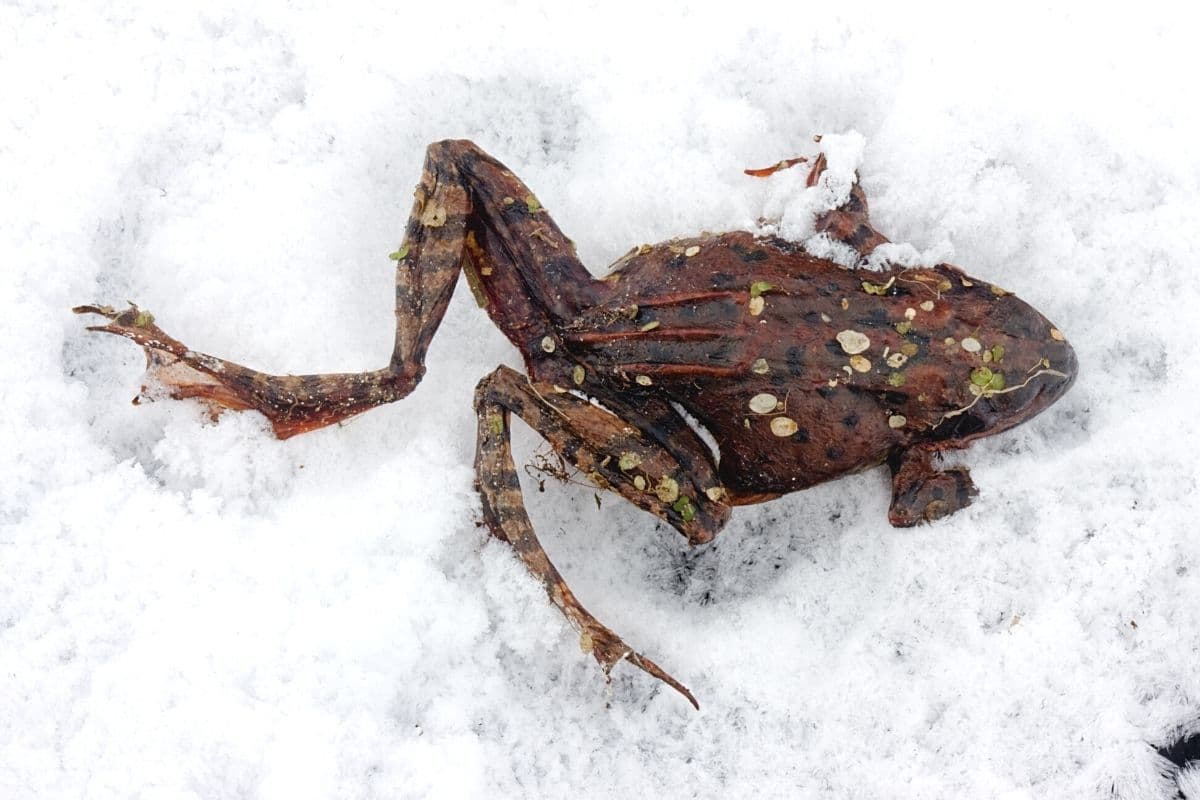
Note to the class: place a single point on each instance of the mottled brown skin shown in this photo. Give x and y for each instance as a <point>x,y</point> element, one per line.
<point>802,370</point>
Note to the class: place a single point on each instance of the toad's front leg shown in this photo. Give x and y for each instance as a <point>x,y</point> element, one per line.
<point>614,454</point>
<point>921,492</point>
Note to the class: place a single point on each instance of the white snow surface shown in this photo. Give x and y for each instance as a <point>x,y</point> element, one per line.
<point>196,610</point>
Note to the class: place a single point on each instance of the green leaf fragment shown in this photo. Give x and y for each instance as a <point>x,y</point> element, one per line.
<point>997,381</point>
<point>400,254</point>
<point>982,376</point>
<point>903,327</point>
<point>143,319</point>
<point>683,506</point>
<point>496,424</point>
<point>896,379</point>
<point>759,288</point>
<point>997,352</point>
<point>532,204</point>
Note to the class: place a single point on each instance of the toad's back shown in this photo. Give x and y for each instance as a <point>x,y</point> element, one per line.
<point>804,370</point>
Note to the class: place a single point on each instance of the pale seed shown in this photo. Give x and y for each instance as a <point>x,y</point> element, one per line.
<point>971,344</point>
<point>853,341</point>
<point>860,364</point>
<point>910,313</point>
<point>691,251</point>
<point>759,367</point>
<point>548,344</point>
<point>909,349</point>
<point>628,461</point>
<point>756,306</point>
<point>896,421</point>
<point>763,403</point>
<point>715,493</point>
<point>643,380</point>
<point>578,375</point>
<point>649,326</point>
<point>1057,335</point>
<point>896,360</point>
<point>927,305</point>
<point>783,427</point>
<point>639,483</point>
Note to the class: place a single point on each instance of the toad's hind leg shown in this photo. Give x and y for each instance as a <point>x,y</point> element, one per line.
<point>612,453</point>
<point>468,208</point>
<point>921,492</point>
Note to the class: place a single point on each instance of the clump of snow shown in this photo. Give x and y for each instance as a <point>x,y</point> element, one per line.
<point>190,609</point>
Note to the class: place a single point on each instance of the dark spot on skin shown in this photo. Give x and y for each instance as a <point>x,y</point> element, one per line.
<point>876,318</point>
<point>783,245</point>
<point>834,347</point>
<point>813,318</point>
<point>826,392</point>
<point>722,280</point>
<point>861,234</point>
<point>937,492</point>
<point>919,339</point>
<point>833,453</point>
<point>722,352</point>
<point>829,290</point>
<point>801,436</point>
<point>795,360</point>
<point>509,480</point>
<point>895,399</point>
<point>1024,325</point>
<point>677,261</point>
<point>748,255</point>
<point>958,427</point>
<point>559,270</point>
<point>850,420</point>
<point>688,312</point>
<point>660,353</point>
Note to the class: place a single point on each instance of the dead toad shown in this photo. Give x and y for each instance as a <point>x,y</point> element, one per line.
<point>802,370</point>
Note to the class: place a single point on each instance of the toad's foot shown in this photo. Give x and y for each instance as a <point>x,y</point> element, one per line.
<point>609,649</point>
<point>292,403</point>
<point>922,493</point>
<point>616,455</point>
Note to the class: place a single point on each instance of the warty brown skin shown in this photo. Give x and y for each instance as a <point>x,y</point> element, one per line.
<point>802,370</point>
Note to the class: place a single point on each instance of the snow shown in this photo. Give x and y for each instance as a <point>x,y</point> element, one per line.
<point>190,610</point>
